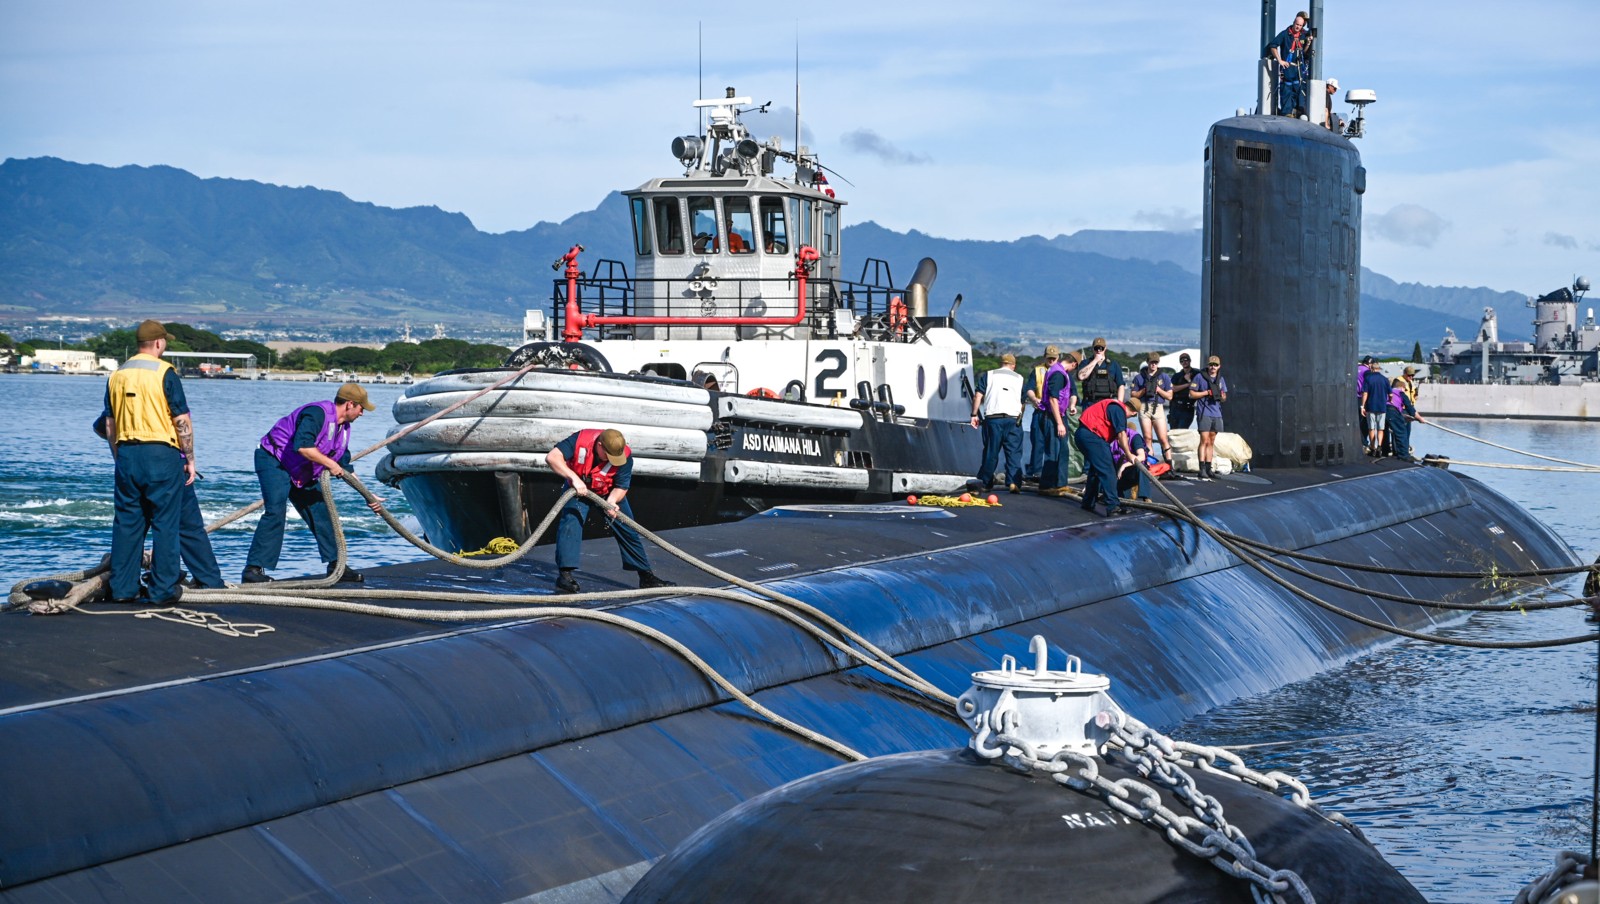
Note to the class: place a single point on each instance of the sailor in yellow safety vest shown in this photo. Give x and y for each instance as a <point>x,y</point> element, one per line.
<point>152,440</point>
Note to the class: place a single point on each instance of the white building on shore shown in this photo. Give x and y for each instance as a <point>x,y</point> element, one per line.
<point>71,361</point>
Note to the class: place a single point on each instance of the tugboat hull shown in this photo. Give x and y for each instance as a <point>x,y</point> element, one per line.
<point>699,457</point>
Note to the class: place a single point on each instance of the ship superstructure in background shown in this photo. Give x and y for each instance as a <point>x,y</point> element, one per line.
<point>1563,350</point>
<point>745,370</point>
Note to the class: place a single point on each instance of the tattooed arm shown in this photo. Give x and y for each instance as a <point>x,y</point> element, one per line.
<point>185,427</point>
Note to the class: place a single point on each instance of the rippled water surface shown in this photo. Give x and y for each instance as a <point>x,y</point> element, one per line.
<point>55,484</point>
<point>1468,768</point>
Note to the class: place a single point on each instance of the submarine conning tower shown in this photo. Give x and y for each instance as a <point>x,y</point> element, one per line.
<point>1280,284</point>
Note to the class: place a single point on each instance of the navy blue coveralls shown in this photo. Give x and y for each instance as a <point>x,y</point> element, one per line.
<point>569,524</point>
<point>194,544</point>
<point>149,486</point>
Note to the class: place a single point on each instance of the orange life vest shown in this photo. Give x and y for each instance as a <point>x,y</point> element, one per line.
<point>589,462</point>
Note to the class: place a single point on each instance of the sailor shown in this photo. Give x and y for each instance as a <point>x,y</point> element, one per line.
<point>1061,406</point>
<point>1361,409</point>
<point>1375,403</point>
<point>1331,119</point>
<point>1127,473</point>
<point>1182,415</point>
<point>597,463</point>
<point>1408,382</point>
<point>997,410</point>
<point>194,544</point>
<point>1290,51</point>
<point>304,443</point>
<point>1040,425</point>
<point>1100,377</point>
<point>1209,389</point>
<point>150,432</point>
<point>1153,389</point>
<point>1402,411</point>
<point>1103,423</point>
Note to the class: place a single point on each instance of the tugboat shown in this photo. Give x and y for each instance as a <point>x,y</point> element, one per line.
<point>744,369</point>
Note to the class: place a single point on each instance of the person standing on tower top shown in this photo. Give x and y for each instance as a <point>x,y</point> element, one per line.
<point>1290,51</point>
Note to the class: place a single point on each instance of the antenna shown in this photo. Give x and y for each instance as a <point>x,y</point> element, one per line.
<point>700,70</point>
<point>797,100</point>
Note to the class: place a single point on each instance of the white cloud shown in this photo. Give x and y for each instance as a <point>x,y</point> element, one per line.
<point>1172,219</point>
<point>1408,224</point>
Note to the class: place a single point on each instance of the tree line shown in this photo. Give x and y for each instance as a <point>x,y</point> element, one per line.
<point>430,356</point>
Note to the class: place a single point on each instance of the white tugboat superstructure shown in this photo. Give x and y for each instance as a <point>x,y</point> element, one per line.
<point>820,389</point>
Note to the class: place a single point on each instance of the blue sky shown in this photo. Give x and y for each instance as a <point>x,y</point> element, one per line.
<point>957,119</point>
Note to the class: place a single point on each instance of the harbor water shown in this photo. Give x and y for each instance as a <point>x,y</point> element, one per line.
<point>1469,769</point>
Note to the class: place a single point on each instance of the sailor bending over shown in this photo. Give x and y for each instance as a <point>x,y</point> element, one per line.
<point>597,463</point>
<point>1103,423</point>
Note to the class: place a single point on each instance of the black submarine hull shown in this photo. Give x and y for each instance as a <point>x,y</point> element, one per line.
<point>347,757</point>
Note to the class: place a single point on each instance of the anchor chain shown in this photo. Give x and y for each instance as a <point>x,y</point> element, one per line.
<point>1206,835</point>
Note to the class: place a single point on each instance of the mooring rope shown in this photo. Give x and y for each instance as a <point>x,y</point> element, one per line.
<point>1511,467</point>
<point>1255,562</point>
<point>1584,466</point>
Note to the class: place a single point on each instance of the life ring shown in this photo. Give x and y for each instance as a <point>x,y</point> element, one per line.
<point>762,392</point>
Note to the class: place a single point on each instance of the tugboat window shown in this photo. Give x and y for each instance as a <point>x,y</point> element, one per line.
<point>802,222</point>
<point>703,223</point>
<point>741,226</point>
<point>669,228</point>
<point>773,226</point>
<point>830,231</point>
<point>641,228</point>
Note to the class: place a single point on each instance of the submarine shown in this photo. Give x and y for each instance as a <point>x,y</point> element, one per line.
<point>473,753</point>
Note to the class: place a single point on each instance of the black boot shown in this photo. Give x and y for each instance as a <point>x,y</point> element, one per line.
<point>253,574</point>
<point>648,580</point>
<point>566,583</point>
<point>350,575</point>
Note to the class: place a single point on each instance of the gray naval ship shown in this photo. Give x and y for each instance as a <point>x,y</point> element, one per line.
<point>548,757</point>
<point>1556,376</point>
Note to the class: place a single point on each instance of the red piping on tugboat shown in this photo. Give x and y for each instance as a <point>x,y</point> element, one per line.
<point>575,321</point>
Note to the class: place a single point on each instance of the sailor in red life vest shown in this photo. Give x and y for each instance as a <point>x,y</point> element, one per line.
<point>598,463</point>
<point>1103,423</point>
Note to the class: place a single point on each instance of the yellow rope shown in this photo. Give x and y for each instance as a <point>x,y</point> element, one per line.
<point>956,501</point>
<point>499,546</point>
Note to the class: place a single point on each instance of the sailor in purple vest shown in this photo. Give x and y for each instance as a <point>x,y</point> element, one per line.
<point>1060,405</point>
<point>308,441</point>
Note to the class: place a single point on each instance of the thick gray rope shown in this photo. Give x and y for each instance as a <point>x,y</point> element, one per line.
<point>1478,439</point>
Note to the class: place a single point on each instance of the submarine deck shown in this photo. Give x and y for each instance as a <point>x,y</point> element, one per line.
<point>350,757</point>
<point>46,659</point>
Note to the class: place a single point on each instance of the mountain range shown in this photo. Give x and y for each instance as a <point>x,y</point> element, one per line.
<point>129,242</point>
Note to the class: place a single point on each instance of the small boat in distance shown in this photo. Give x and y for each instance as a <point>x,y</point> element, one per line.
<point>745,370</point>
